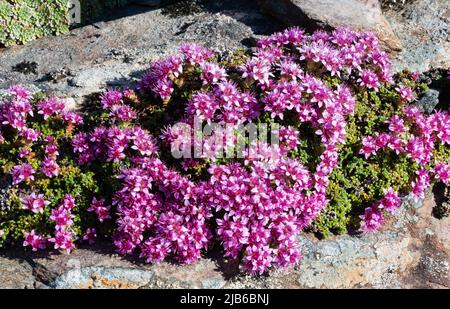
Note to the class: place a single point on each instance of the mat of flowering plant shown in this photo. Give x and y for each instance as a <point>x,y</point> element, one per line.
<point>237,153</point>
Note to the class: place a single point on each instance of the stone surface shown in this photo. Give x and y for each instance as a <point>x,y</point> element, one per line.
<point>420,29</point>
<point>423,28</point>
<point>363,15</point>
<point>429,100</point>
<point>412,251</point>
<point>15,274</point>
<point>116,52</point>
<point>102,277</point>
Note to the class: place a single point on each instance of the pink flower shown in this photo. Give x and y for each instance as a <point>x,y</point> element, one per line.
<point>90,236</point>
<point>73,118</point>
<point>111,98</point>
<point>397,125</point>
<point>442,172</point>
<point>382,140</point>
<point>406,93</point>
<point>290,70</point>
<point>51,151</point>
<point>257,260</point>
<point>195,54</point>
<point>155,250</point>
<point>35,241</point>
<point>49,167</point>
<point>15,120</point>
<point>62,217</point>
<point>397,144</point>
<point>421,183</point>
<point>68,202</point>
<point>24,153</point>
<point>203,106</point>
<point>22,172</point>
<point>29,135</point>
<point>372,219</point>
<point>369,147</point>
<point>257,69</point>
<point>19,92</point>
<point>343,37</point>
<point>35,203</point>
<point>212,73</point>
<point>98,207</point>
<point>123,112</point>
<point>369,80</point>
<point>289,137</point>
<point>63,239</point>
<point>143,142</point>
<point>391,201</point>
<point>50,107</point>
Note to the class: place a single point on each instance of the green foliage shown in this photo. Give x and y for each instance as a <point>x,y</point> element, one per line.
<point>25,20</point>
<point>359,182</point>
<point>22,21</point>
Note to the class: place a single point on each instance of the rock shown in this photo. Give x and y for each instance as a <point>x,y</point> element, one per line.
<point>102,277</point>
<point>116,53</point>
<point>362,15</point>
<point>423,29</point>
<point>374,262</point>
<point>429,100</point>
<point>202,275</point>
<point>15,274</point>
<point>393,4</point>
<point>413,251</point>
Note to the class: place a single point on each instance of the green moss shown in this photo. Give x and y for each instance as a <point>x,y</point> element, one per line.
<point>22,21</point>
<point>25,20</point>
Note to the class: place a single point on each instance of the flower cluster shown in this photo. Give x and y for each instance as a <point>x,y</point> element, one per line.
<point>416,136</point>
<point>37,171</point>
<point>63,218</point>
<point>253,205</point>
<point>157,210</point>
<point>161,203</point>
<point>261,207</point>
<point>373,217</point>
<point>113,144</point>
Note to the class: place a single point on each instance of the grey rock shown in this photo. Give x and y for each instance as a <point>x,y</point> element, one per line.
<point>412,253</point>
<point>393,4</point>
<point>15,274</point>
<point>423,29</point>
<point>201,275</point>
<point>429,100</point>
<point>102,277</point>
<point>413,201</point>
<point>116,53</point>
<point>362,15</point>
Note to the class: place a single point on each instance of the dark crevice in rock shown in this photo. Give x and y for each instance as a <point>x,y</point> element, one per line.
<point>26,67</point>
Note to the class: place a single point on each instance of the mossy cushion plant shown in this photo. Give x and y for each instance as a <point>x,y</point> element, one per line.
<point>170,174</point>
<point>351,145</point>
<point>25,20</point>
<point>22,21</point>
